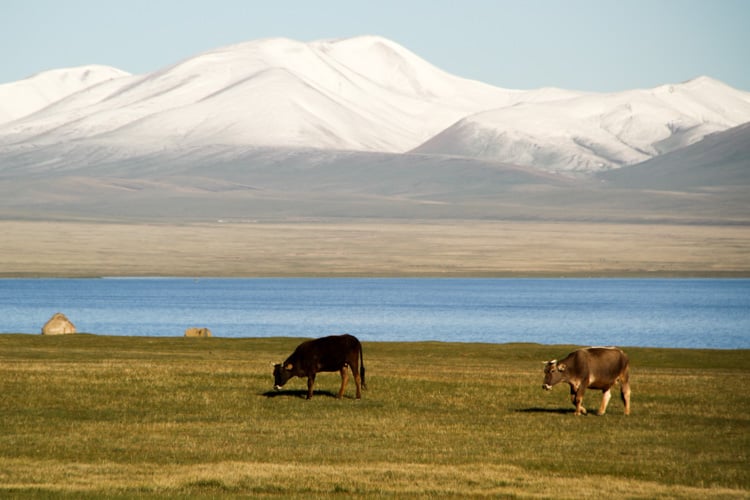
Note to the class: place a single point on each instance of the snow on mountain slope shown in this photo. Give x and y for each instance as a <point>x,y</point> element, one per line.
<point>597,131</point>
<point>365,93</point>
<point>21,98</point>
<point>359,94</point>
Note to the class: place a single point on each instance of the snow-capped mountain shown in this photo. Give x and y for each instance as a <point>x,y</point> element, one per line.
<point>359,94</point>
<point>21,98</point>
<point>365,93</point>
<point>597,131</point>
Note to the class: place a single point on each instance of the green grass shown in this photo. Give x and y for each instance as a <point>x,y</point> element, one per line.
<point>92,416</point>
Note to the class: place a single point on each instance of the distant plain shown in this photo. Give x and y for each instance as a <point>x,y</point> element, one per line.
<point>371,248</point>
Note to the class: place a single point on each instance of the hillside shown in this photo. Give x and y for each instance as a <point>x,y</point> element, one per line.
<point>719,161</point>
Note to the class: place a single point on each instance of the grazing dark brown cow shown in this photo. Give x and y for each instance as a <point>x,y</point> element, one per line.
<point>595,368</point>
<point>327,354</point>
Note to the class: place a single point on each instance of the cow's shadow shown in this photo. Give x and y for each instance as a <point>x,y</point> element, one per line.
<point>561,411</point>
<point>300,393</point>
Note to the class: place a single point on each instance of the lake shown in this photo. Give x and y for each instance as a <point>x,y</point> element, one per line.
<point>691,313</point>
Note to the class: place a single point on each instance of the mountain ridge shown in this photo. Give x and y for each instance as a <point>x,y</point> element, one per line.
<point>369,93</point>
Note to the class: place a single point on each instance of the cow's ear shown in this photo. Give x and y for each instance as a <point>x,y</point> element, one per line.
<point>561,367</point>
<point>288,366</point>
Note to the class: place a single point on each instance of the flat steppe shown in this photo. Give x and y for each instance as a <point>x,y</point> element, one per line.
<point>371,248</point>
<point>89,416</point>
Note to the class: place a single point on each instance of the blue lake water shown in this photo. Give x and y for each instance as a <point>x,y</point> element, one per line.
<point>693,313</point>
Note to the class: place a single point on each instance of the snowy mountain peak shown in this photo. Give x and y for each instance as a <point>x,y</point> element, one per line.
<point>704,81</point>
<point>388,64</point>
<point>21,98</point>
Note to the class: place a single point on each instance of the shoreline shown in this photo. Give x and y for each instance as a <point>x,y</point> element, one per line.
<point>446,343</point>
<point>687,275</point>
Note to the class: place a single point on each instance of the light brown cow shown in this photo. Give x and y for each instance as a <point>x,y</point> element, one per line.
<point>593,367</point>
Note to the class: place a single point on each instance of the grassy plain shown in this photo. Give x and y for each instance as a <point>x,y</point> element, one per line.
<point>95,416</point>
<point>372,248</point>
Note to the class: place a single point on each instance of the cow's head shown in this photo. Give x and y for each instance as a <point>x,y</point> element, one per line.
<point>554,372</point>
<point>281,373</point>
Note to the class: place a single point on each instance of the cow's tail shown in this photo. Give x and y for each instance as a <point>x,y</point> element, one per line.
<point>362,368</point>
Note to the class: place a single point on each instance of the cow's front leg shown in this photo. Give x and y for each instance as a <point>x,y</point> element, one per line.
<point>606,395</point>
<point>578,402</point>
<point>576,397</point>
<point>310,383</point>
<point>344,380</point>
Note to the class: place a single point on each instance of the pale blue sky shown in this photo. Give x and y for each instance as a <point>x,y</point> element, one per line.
<point>601,45</point>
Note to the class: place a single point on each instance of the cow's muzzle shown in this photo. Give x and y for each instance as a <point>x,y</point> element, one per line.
<point>546,387</point>
<point>277,387</point>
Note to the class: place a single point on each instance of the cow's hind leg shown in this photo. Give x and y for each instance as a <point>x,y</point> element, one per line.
<point>310,384</point>
<point>625,395</point>
<point>344,380</point>
<point>357,381</point>
<point>606,395</point>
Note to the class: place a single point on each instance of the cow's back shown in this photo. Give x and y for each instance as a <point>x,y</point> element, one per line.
<point>603,365</point>
<point>326,353</point>
<point>336,351</point>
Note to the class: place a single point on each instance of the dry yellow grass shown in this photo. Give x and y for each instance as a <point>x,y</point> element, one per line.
<point>374,248</point>
<point>89,416</point>
<point>376,480</point>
